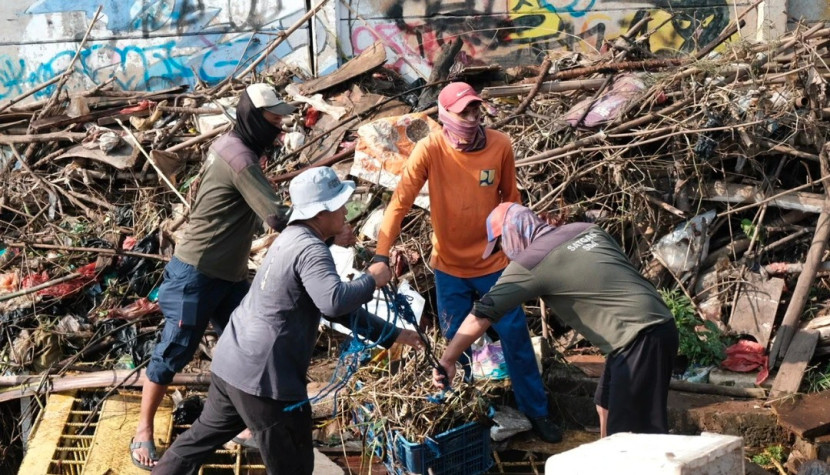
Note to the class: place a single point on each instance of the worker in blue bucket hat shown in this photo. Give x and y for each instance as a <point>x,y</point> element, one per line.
<point>259,367</point>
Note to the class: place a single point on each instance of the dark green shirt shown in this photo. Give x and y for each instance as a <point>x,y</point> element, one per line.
<point>586,280</point>
<point>234,199</point>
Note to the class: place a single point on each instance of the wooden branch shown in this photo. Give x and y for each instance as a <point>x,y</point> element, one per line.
<point>97,250</point>
<point>36,384</point>
<point>163,177</point>
<point>42,286</point>
<point>607,68</point>
<point>793,268</point>
<point>723,192</point>
<point>548,86</point>
<point>543,70</point>
<point>324,162</point>
<point>805,280</point>
<point>198,139</point>
<point>731,391</point>
<point>39,138</point>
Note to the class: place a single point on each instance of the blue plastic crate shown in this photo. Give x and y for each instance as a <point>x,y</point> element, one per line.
<point>464,450</point>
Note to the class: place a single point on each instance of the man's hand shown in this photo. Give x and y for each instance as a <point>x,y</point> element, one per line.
<point>345,237</point>
<point>381,273</point>
<point>410,338</point>
<point>438,379</point>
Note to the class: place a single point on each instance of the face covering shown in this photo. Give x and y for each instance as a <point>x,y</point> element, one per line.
<point>251,126</point>
<point>521,226</point>
<point>461,134</point>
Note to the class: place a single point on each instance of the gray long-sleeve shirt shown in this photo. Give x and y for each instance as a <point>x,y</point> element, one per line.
<point>266,348</point>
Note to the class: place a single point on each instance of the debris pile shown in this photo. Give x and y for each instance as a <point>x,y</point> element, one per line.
<point>711,170</point>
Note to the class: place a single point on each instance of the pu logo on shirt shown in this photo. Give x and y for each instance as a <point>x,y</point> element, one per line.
<point>486,177</point>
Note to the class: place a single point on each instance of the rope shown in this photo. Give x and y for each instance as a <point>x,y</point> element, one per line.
<point>358,350</point>
<point>404,309</point>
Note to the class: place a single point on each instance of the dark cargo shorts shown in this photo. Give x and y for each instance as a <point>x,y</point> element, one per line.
<point>189,300</point>
<point>634,386</point>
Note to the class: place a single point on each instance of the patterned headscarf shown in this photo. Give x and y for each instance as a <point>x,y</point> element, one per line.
<point>520,227</point>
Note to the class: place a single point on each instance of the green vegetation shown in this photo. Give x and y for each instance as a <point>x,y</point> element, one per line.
<point>817,378</point>
<point>769,457</point>
<point>701,341</point>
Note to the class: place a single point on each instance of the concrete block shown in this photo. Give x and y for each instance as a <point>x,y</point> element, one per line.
<point>731,378</point>
<point>647,454</point>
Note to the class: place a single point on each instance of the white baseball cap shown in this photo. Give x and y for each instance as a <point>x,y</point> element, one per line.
<point>315,190</point>
<point>263,96</point>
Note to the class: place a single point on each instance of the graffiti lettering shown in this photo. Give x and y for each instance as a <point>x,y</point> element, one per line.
<point>180,40</point>
<point>526,30</point>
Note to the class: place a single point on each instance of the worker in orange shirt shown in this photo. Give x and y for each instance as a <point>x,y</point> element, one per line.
<point>470,170</point>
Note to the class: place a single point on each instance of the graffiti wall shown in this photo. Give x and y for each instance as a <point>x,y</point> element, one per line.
<point>155,44</point>
<point>152,44</point>
<point>511,32</point>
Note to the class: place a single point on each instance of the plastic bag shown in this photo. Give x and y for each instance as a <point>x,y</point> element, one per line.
<point>489,363</point>
<point>683,248</point>
<point>745,356</point>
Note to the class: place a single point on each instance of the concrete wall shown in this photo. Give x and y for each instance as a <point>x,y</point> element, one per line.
<point>153,44</point>
<point>809,10</point>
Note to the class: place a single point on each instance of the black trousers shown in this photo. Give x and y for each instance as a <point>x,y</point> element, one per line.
<point>283,437</point>
<point>634,386</point>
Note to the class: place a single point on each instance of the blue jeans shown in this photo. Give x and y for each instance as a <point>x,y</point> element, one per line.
<point>455,300</point>
<point>189,300</point>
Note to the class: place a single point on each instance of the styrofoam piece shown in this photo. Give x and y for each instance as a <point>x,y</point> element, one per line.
<point>653,454</point>
<point>206,123</point>
<point>343,260</point>
<point>371,227</point>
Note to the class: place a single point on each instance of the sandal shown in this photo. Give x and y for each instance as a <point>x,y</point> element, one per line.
<point>151,449</point>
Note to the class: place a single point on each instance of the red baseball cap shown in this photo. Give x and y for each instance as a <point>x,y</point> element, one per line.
<point>456,95</point>
<point>495,223</point>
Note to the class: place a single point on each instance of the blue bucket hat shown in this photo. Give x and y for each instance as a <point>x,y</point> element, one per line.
<point>317,189</point>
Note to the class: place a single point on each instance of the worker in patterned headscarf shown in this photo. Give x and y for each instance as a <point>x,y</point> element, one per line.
<point>469,170</point>
<point>208,275</point>
<point>589,284</point>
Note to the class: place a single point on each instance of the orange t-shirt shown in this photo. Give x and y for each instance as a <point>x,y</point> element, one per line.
<point>463,188</point>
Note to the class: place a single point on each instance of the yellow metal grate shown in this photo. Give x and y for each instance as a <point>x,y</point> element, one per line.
<point>63,444</point>
<point>74,444</point>
<point>61,441</point>
<point>236,460</point>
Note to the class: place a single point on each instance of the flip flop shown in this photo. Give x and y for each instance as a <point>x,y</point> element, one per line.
<point>151,449</point>
<point>249,443</point>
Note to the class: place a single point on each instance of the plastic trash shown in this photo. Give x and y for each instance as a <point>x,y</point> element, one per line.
<point>508,422</point>
<point>682,249</point>
<point>188,410</point>
<point>489,362</point>
<point>745,356</point>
